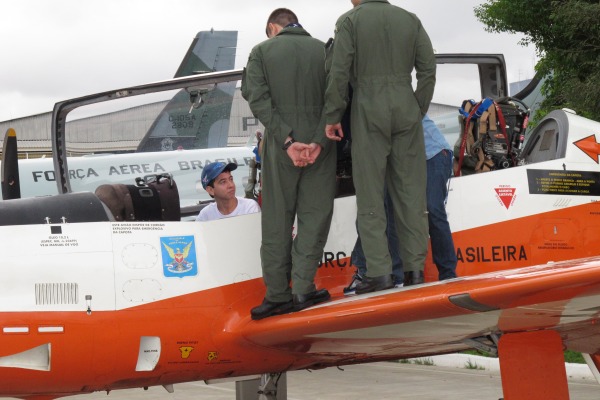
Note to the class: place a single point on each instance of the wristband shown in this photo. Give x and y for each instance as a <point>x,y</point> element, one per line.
<point>287,144</point>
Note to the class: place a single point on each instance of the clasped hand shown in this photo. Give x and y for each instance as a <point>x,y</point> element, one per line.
<point>303,154</point>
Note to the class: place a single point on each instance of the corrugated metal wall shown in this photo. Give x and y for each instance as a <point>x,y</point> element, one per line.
<point>116,131</point>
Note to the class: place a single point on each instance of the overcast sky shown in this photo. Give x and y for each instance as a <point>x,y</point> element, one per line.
<point>61,49</point>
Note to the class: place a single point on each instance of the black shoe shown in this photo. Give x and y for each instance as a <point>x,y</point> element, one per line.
<point>270,308</point>
<point>302,301</point>
<point>369,284</point>
<point>413,278</point>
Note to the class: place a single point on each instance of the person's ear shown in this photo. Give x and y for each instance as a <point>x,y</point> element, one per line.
<point>211,190</point>
<point>270,30</point>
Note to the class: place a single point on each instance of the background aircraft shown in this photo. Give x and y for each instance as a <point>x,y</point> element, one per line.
<point>120,141</point>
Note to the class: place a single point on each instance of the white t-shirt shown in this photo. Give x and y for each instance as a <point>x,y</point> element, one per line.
<point>244,206</point>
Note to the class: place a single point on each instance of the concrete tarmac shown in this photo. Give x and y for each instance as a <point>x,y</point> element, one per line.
<point>384,380</point>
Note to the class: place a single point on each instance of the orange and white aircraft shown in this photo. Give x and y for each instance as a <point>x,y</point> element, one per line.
<point>91,301</point>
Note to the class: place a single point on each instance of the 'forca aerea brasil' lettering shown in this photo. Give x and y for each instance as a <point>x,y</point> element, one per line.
<point>136,169</point>
<point>80,173</point>
<point>185,165</point>
<point>491,254</point>
<point>83,173</point>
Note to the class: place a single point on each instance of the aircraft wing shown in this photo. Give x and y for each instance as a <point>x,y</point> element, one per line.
<point>444,317</point>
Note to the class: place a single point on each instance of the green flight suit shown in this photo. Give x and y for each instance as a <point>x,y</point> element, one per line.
<point>377,46</point>
<point>284,83</point>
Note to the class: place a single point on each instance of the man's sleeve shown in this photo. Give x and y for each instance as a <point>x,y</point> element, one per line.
<point>256,91</point>
<point>425,66</point>
<point>339,75</point>
<point>331,42</point>
<point>319,136</point>
<point>328,55</point>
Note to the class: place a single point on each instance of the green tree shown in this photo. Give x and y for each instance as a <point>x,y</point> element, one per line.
<point>566,34</point>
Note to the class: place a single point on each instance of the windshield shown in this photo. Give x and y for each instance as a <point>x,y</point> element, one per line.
<point>172,127</point>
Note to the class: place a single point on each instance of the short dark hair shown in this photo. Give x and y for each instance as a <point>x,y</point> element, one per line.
<point>282,17</point>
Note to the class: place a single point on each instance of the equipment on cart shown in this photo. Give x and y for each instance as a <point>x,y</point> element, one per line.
<point>492,135</point>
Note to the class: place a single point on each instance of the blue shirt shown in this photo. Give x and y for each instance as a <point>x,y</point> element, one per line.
<point>434,139</point>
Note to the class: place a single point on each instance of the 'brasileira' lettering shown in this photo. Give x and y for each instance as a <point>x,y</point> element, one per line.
<point>491,254</point>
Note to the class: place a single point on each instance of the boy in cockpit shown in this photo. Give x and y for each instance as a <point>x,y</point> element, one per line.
<point>218,182</point>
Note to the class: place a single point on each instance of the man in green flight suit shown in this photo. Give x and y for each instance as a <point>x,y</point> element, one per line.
<point>377,46</point>
<point>284,83</point>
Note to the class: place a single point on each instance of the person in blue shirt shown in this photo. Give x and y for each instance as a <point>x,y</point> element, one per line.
<point>439,169</point>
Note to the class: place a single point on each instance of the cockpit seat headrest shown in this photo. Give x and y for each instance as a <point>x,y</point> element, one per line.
<point>156,199</point>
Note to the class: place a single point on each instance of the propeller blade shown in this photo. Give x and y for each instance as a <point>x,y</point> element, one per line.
<point>11,188</point>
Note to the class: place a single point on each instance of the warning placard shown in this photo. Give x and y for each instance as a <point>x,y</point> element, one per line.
<point>506,195</point>
<point>574,183</point>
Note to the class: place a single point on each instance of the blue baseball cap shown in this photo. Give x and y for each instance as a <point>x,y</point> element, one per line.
<point>212,170</point>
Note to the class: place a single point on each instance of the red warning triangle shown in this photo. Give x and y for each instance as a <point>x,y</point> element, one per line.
<point>506,195</point>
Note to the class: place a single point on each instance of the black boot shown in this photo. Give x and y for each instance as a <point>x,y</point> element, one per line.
<point>302,301</point>
<point>413,278</point>
<point>270,308</point>
<point>369,284</point>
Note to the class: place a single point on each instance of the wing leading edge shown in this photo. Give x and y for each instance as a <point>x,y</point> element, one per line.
<point>528,316</point>
<point>443,317</point>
